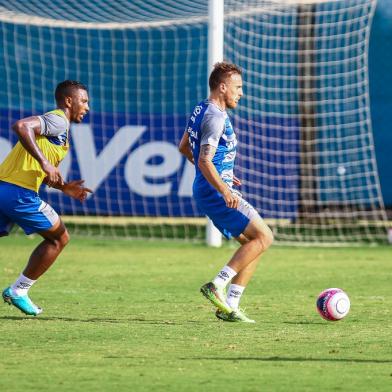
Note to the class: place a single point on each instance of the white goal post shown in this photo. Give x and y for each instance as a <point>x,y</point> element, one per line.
<point>216,12</point>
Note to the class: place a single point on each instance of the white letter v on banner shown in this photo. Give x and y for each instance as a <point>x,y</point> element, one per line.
<point>93,168</point>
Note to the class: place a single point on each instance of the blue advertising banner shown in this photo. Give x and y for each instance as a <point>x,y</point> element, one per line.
<point>134,168</point>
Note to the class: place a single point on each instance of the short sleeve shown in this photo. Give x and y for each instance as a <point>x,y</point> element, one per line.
<point>53,124</point>
<point>212,128</point>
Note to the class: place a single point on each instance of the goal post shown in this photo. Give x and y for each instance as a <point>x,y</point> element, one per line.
<point>307,108</point>
<point>215,54</point>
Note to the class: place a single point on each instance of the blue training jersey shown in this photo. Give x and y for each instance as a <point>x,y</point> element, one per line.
<point>208,124</point>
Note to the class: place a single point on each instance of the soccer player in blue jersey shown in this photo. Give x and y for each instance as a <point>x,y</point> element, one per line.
<point>43,143</point>
<point>210,143</point>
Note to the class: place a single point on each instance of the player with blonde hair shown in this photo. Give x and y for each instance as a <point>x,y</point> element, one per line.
<point>210,143</point>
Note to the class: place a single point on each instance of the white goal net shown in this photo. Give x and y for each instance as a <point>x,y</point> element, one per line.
<point>306,155</point>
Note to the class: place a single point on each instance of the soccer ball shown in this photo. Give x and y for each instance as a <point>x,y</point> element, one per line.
<point>333,304</point>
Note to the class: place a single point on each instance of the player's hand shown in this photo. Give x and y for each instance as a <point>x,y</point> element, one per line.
<point>236,181</point>
<point>231,199</point>
<point>76,190</point>
<point>53,175</point>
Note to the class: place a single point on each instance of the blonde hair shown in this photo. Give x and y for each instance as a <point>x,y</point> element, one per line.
<point>221,72</point>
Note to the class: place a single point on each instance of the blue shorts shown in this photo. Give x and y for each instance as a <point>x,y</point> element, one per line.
<point>230,222</point>
<point>25,208</point>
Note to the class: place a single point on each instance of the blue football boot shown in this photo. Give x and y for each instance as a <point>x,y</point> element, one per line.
<point>22,302</point>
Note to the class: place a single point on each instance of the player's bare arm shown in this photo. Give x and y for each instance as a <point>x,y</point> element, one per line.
<point>185,148</point>
<point>209,171</point>
<point>27,129</point>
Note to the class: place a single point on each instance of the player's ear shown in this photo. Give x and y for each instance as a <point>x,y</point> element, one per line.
<point>68,102</point>
<point>223,87</point>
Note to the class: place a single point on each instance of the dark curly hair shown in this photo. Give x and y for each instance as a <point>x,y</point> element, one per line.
<point>66,89</point>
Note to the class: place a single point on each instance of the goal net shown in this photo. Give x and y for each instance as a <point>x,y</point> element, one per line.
<point>306,155</point>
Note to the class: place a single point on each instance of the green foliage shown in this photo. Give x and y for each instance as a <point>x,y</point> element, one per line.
<point>128,316</point>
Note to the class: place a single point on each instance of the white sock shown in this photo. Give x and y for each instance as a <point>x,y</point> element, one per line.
<point>225,275</point>
<point>22,285</point>
<point>234,295</point>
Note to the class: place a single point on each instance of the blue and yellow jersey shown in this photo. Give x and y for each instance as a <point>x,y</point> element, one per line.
<point>21,169</point>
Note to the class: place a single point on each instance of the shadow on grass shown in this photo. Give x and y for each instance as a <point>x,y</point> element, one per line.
<point>287,359</point>
<point>304,322</point>
<point>102,320</point>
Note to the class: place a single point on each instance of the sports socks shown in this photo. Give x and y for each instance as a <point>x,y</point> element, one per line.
<point>234,295</point>
<point>22,285</point>
<point>225,275</point>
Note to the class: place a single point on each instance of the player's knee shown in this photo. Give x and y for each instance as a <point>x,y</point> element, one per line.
<point>64,239</point>
<point>265,239</point>
<point>61,240</point>
<point>269,238</point>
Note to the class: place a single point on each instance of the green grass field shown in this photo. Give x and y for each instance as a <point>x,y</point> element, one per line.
<point>128,316</point>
